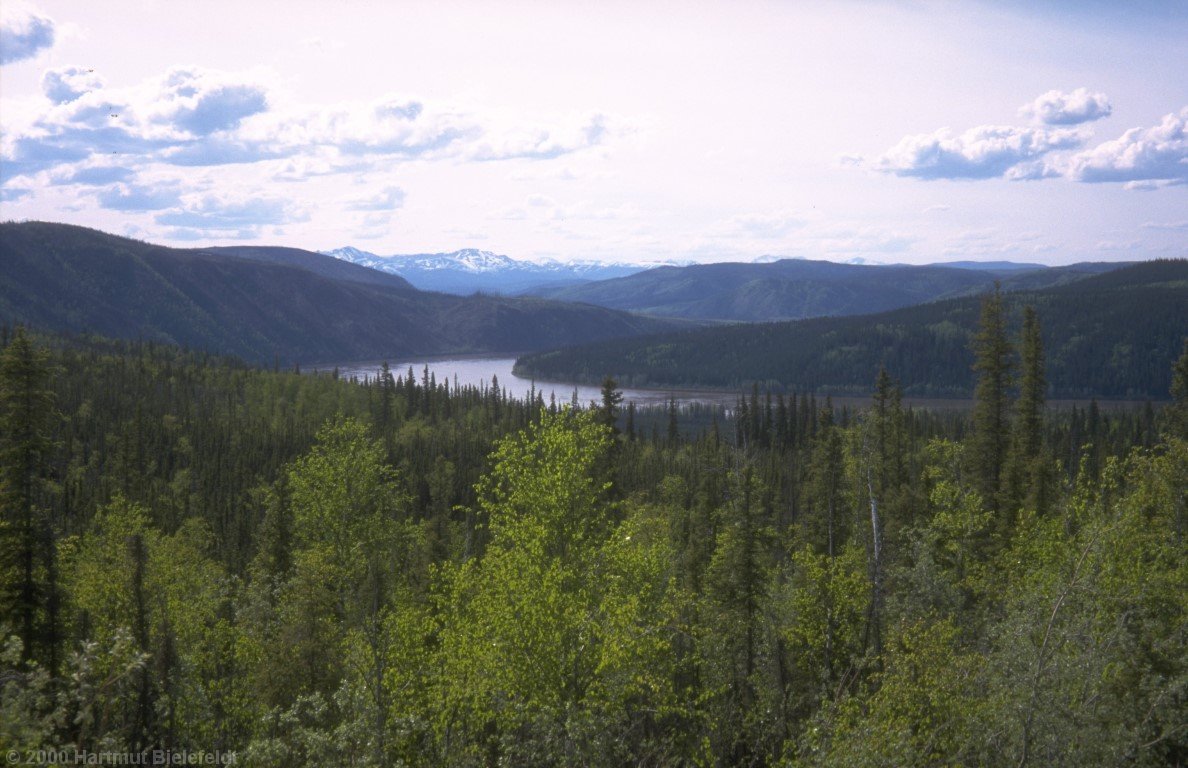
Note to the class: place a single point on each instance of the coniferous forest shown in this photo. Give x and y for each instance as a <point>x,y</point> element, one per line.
<point>1111,335</point>
<point>308,571</point>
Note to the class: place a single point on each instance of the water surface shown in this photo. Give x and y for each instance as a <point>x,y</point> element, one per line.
<point>479,372</point>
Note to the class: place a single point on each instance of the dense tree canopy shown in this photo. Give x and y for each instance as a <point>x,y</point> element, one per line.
<point>310,571</point>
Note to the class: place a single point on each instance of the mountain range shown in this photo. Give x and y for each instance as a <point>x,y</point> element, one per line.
<point>263,303</point>
<point>469,270</point>
<point>767,288</point>
<point>1114,334</point>
<point>792,289</point>
<point>1112,329</point>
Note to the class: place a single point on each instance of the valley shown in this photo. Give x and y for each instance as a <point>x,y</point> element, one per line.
<point>180,424</point>
<point>589,385</point>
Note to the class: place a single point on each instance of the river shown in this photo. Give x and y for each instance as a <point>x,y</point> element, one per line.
<point>478,372</point>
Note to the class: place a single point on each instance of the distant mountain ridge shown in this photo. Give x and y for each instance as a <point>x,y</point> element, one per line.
<point>793,289</point>
<point>261,303</point>
<point>991,266</point>
<point>471,270</point>
<point>1114,334</point>
<point>764,289</point>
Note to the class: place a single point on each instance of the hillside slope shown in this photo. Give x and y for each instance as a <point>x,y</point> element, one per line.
<point>794,289</point>
<point>261,303</point>
<point>1111,335</point>
<point>335,269</point>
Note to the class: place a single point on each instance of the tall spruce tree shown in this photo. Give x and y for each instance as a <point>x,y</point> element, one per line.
<point>1028,476</point>
<point>26,404</point>
<point>612,401</point>
<point>883,427</point>
<point>994,364</point>
<point>824,526</point>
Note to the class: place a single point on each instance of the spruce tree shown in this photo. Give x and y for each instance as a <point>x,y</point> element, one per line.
<point>882,426</point>
<point>1031,387</point>
<point>825,473</point>
<point>1028,479</point>
<point>26,404</point>
<point>993,362</point>
<point>612,399</point>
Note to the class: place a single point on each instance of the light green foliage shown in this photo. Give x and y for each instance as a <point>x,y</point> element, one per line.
<point>84,709</point>
<point>540,494</point>
<point>959,532</point>
<point>347,502</point>
<point>127,580</point>
<point>640,611</point>
<point>824,606</point>
<point>916,712</point>
<point>30,717</point>
<point>947,568</point>
<point>340,626</point>
<point>1093,639</point>
<point>520,640</point>
<point>100,573</point>
<point>315,730</point>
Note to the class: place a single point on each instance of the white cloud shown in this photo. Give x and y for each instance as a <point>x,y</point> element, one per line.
<point>985,152</point>
<point>221,215</point>
<point>12,194</point>
<point>137,197</point>
<point>389,199</point>
<point>23,32</point>
<point>187,111</point>
<point>94,176</point>
<point>64,85</point>
<point>1058,108</point>
<point>187,233</point>
<point>1158,154</point>
<point>767,226</point>
<point>325,161</point>
<point>546,211</point>
<point>1142,158</point>
<point>197,117</point>
<point>542,143</point>
<point>844,242</point>
<point>1032,171</point>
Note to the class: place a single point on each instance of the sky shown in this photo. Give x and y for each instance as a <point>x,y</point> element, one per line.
<point>916,131</point>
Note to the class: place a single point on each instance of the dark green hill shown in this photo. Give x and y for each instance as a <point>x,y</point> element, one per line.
<point>318,263</point>
<point>1110,335</point>
<point>262,303</point>
<point>792,289</point>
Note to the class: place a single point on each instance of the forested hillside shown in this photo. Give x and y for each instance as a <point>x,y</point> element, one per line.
<point>1111,335</point>
<point>306,571</point>
<point>267,303</point>
<point>793,289</point>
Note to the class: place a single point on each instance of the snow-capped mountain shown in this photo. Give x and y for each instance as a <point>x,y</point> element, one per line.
<point>470,270</point>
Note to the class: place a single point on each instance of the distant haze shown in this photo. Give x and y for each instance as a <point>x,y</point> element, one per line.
<point>880,132</point>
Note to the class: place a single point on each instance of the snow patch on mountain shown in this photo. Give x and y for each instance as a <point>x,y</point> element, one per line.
<point>470,269</point>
